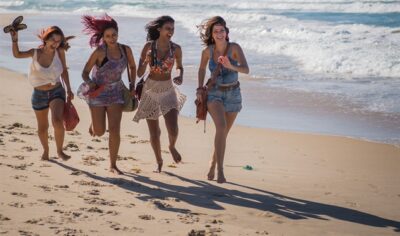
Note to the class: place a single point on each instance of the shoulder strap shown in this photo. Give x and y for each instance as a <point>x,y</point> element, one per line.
<point>127,64</point>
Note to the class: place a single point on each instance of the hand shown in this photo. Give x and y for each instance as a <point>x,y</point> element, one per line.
<point>224,60</point>
<point>70,95</point>
<point>178,80</point>
<point>14,35</point>
<point>92,85</point>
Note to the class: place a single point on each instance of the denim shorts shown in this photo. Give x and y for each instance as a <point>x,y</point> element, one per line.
<point>42,98</point>
<point>231,99</point>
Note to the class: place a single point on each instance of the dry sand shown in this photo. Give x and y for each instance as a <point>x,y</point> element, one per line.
<point>301,184</point>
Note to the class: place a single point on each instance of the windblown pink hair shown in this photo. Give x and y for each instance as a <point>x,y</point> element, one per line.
<point>95,27</point>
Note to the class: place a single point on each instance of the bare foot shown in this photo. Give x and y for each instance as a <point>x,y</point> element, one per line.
<point>221,178</point>
<point>211,172</point>
<point>63,156</point>
<point>159,166</point>
<point>175,154</point>
<point>115,170</point>
<point>45,155</point>
<point>91,130</point>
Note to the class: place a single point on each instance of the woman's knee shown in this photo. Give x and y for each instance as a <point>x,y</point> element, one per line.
<point>43,128</point>
<point>114,129</point>
<point>57,122</point>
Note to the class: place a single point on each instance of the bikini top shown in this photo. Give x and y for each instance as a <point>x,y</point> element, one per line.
<point>161,65</point>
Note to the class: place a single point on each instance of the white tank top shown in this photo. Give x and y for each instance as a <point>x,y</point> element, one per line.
<point>39,75</point>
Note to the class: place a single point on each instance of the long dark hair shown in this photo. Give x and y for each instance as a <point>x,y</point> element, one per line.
<point>153,26</point>
<point>206,29</point>
<point>95,27</point>
<point>47,33</point>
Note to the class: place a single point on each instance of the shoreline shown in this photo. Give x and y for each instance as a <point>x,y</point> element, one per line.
<point>265,106</point>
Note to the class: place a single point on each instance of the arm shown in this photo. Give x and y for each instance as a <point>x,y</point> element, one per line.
<point>178,55</point>
<point>132,67</point>
<point>65,75</point>
<point>88,67</point>
<point>205,56</point>
<point>238,55</point>
<point>15,48</point>
<point>144,59</point>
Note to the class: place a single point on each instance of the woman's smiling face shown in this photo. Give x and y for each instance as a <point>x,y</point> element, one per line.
<point>219,33</point>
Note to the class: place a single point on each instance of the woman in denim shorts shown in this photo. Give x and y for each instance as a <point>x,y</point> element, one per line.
<point>48,65</point>
<point>224,99</point>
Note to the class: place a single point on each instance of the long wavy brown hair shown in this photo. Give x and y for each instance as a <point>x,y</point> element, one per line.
<point>153,26</point>
<point>206,29</point>
<point>47,33</point>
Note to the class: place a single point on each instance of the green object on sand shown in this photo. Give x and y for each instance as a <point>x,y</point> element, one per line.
<point>247,167</point>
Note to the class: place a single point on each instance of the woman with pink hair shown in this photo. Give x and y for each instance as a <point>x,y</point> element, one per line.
<point>48,65</point>
<point>108,62</point>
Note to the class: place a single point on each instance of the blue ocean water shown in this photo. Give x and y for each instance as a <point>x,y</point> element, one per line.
<point>342,49</point>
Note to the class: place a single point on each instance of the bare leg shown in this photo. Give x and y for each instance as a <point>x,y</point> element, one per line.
<point>43,127</point>
<point>171,122</point>
<point>155,132</point>
<point>223,122</point>
<point>98,125</point>
<point>114,115</point>
<point>57,112</point>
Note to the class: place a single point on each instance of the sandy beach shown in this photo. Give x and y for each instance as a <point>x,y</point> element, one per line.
<point>301,184</point>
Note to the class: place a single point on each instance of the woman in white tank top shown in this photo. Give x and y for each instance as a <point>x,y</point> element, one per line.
<point>47,66</point>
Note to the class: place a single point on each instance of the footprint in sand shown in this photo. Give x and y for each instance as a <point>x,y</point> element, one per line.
<point>89,183</point>
<point>94,192</point>
<point>16,140</point>
<point>69,231</point>
<point>4,218</point>
<point>28,133</point>
<point>94,210</point>
<point>89,147</point>
<point>140,142</point>
<point>262,232</point>
<point>96,140</point>
<point>61,186</point>
<point>24,195</point>
<point>20,177</point>
<point>48,201</point>
<point>160,205</point>
<point>19,157</point>
<point>126,158</point>
<point>76,172</point>
<point>26,233</point>
<point>29,148</point>
<point>99,201</point>
<point>194,232</point>
<point>44,188</point>
<point>146,217</point>
<point>188,218</point>
<point>71,147</point>
<point>16,205</point>
<point>74,133</point>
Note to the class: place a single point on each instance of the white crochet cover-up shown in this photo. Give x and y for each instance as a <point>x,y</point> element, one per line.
<point>158,98</point>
